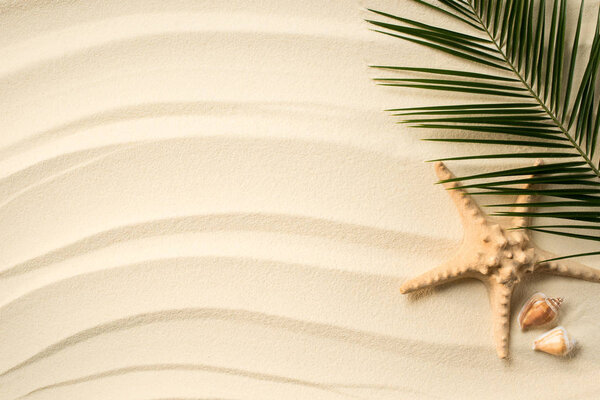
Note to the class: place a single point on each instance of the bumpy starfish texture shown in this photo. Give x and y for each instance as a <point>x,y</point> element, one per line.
<point>496,256</point>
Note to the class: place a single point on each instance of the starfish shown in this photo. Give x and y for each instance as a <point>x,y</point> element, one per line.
<point>496,255</point>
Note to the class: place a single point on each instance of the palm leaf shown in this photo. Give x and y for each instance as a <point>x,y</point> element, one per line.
<point>518,52</point>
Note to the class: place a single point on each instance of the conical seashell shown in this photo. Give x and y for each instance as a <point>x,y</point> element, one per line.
<point>556,342</point>
<point>539,311</point>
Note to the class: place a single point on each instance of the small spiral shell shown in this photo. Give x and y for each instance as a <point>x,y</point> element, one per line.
<point>556,342</point>
<point>539,311</point>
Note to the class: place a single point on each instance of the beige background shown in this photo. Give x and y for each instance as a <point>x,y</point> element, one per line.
<point>204,199</point>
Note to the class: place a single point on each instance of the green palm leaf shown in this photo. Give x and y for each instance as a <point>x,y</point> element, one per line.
<point>525,48</point>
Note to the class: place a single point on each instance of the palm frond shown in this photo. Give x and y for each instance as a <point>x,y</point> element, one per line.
<point>520,51</point>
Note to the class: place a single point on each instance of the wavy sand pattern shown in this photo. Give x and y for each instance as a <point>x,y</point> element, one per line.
<point>203,200</point>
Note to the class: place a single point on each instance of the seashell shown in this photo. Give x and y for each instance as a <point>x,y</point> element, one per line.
<point>556,342</point>
<point>539,310</point>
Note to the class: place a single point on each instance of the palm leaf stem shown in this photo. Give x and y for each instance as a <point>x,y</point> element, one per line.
<point>535,95</point>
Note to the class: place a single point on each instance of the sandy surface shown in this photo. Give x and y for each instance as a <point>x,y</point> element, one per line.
<point>204,199</point>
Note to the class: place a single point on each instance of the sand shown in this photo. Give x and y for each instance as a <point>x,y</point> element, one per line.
<point>204,199</point>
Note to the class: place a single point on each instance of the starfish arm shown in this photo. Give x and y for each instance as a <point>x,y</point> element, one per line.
<point>524,199</point>
<point>467,207</point>
<point>568,268</point>
<point>453,269</point>
<point>500,304</point>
